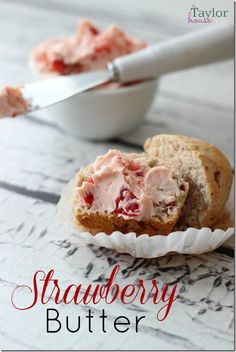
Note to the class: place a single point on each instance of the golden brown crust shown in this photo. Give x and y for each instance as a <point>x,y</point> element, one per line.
<point>224,222</point>
<point>216,169</point>
<point>108,223</point>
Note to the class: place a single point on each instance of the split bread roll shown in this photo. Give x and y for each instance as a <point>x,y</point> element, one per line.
<point>179,182</point>
<point>128,193</point>
<point>203,167</point>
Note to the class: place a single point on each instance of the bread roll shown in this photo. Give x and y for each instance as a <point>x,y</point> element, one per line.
<point>128,193</point>
<point>204,167</point>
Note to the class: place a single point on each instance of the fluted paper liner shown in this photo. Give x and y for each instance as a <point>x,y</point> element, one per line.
<point>191,241</point>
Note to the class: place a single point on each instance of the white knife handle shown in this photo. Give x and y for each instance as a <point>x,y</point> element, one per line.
<point>195,48</point>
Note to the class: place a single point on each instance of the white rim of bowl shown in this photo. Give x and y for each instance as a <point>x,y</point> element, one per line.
<point>94,91</point>
<point>120,90</point>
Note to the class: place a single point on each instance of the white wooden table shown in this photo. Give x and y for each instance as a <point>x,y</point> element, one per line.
<point>37,159</point>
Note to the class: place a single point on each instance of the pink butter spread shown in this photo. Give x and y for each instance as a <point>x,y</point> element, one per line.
<point>89,49</point>
<point>12,102</point>
<point>126,187</point>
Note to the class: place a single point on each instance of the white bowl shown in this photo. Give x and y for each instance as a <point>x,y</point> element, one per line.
<point>102,113</point>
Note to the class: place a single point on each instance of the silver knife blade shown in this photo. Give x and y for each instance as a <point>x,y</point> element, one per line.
<point>46,92</point>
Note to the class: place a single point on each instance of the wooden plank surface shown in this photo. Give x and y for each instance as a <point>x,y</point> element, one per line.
<point>37,158</point>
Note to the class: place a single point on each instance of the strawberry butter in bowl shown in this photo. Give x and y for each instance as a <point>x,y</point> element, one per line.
<point>101,113</point>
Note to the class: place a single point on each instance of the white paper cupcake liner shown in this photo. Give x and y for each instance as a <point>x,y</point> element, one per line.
<point>191,241</point>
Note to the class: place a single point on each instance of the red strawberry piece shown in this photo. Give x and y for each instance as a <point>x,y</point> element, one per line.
<point>120,197</point>
<point>94,30</point>
<point>125,194</point>
<point>59,66</point>
<point>133,166</point>
<point>120,211</point>
<point>90,180</point>
<point>139,173</point>
<point>131,210</point>
<point>89,199</point>
<point>129,195</point>
<point>133,207</point>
